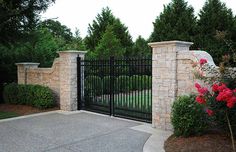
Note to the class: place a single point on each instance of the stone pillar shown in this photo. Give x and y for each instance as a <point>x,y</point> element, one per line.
<point>22,71</point>
<point>164,80</point>
<point>68,79</point>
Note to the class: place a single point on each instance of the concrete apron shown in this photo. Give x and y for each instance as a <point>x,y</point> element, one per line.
<point>154,143</point>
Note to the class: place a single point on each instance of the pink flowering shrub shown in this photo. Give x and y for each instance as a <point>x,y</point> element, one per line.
<point>219,97</point>
<point>220,92</point>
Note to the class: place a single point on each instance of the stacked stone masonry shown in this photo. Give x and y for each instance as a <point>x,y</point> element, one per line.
<point>61,78</point>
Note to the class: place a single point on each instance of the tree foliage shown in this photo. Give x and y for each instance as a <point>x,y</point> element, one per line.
<point>176,22</point>
<point>140,49</point>
<point>57,29</point>
<point>66,39</point>
<point>109,45</point>
<point>45,40</point>
<point>216,30</point>
<point>18,17</point>
<point>99,26</point>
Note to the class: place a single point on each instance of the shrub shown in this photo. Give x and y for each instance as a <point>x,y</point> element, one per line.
<point>123,84</point>
<point>43,97</point>
<point>93,85</point>
<point>135,79</point>
<point>188,117</point>
<point>146,82</point>
<point>220,99</point>
<point>9,93</point>
<point>141,82</point>
<point>34,95</point>
<point>106,84</point>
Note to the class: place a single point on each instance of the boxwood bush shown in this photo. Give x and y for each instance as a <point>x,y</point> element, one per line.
<point>34,95</point>
<point>146,82</point>
<point>188,117</point>
<point>141,82</point>
<point>93,85</point>
<point>123,84</point>
<point>106,84</point>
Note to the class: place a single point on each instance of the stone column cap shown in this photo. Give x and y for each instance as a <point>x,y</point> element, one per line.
<point>27,63</point>
<point>175,42</point>
<point>72,52</point>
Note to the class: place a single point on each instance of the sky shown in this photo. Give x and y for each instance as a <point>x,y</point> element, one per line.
<point>137,15</point>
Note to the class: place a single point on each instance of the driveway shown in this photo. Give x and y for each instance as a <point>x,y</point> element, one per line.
<point>75,132</point>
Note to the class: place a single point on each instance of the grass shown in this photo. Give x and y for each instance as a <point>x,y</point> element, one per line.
<point>137,101</point>
<point>4,115</point>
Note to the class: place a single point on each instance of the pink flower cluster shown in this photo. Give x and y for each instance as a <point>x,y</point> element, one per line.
<point>202,61</point>
<point>219,90</point>
<point>222,93</point>
<point>225,94</point>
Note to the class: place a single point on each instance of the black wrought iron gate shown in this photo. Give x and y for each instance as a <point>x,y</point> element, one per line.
<point>118,87</point>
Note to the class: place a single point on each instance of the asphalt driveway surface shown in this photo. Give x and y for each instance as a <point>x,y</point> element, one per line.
<point>80,132</point>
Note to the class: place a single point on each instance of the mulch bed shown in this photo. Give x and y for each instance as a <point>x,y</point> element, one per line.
<point>23,109</point>
<point>211,142</point>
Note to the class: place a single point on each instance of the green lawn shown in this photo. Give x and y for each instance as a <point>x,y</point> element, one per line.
<point>4,115</point>
<point>137,101</point>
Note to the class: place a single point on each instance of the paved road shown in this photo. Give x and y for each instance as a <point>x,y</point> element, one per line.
<point>80,132</point>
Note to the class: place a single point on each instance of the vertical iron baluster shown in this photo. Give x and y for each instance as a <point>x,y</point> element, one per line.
<point>79,83</point>
<point>112,86</point>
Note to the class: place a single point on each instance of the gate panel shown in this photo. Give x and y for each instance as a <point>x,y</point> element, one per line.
<point>132,98</point>
<point>118,87</point>
<point>95,97</point>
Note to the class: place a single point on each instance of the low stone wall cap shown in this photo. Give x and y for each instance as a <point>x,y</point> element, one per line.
<point>27,63</point>
<point>71,51</point>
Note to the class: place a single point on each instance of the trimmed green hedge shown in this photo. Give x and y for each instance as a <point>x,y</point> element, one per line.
<point>123,84</point>
<point>141,82</point>
<point>34,95</point>
<point>93,85</point>
<point>106,82</point>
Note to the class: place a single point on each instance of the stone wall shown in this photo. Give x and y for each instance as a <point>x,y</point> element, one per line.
<point>29,73</point>
<point>61,78</point>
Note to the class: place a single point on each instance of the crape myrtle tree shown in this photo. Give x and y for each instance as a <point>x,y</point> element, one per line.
<point>99,26</point>
<point>176,22</point>
<point>18,17</point>
<point>216,30</point>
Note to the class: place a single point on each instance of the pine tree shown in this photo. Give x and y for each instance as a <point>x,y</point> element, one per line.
<point>140,49</point>
<point>176,22</point>
<point>109,45</point>
<point>215,29</point>
<point>99,26</point>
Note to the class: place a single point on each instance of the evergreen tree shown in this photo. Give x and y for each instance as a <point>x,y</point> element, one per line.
<point>18,17</point>
<point>57,29</point>
<point>109,45</point>
<point>215,29</point>
<point>141,49</point>
<point>176,22</point>
<point>99,26</point>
